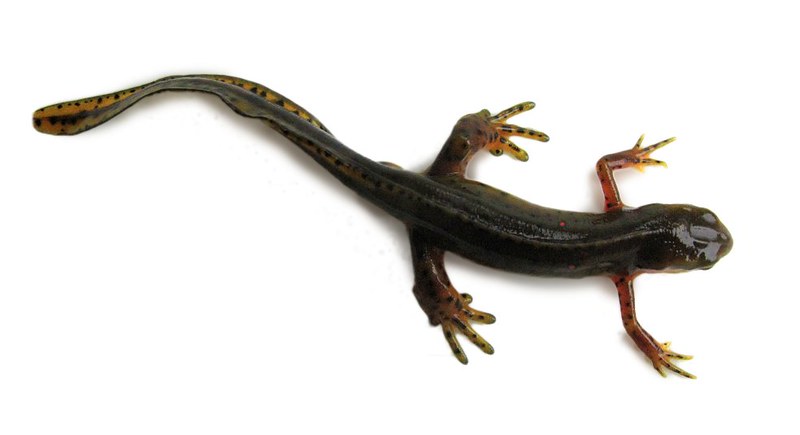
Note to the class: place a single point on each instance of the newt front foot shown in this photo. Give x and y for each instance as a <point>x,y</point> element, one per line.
<point>661,357</point>
<point>659,353</point>
<point>638,157</point>
<point>501,143</point>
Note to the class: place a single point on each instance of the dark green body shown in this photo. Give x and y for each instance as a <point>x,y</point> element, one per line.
<point>471,219</point>
<point>499,230</point>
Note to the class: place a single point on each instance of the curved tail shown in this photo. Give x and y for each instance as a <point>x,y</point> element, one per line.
<point>73,117</point>
<point>375,182</point>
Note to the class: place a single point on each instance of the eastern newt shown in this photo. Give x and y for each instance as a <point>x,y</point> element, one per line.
<point>445,212</point>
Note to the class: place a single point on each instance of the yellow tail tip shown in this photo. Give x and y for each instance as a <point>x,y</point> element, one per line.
<point>41,124</point>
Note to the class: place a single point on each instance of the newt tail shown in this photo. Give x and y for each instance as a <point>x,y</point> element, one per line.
<point>73,117</point>
<point>244,97</point>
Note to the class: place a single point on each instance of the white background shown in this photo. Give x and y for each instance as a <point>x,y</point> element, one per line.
<point>184,270</point>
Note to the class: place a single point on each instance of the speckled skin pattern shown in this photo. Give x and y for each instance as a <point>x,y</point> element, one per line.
<point>444,211</point>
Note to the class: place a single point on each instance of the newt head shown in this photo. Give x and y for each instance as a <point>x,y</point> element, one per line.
<point>706,237</point>
<point>694,238</point>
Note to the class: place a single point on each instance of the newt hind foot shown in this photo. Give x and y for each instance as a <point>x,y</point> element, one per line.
<point>478,131</point>
<point>458,320</point>
<point>501,143</point>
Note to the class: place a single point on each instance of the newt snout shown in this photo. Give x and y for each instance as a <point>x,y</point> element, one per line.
<point>712,237</point>
<point>703,238</point>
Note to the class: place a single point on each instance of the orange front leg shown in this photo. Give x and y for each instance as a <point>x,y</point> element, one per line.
<point>659,353</point>
<point>636,157</point>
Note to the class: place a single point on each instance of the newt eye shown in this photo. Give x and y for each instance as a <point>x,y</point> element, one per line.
<point>703,234</point>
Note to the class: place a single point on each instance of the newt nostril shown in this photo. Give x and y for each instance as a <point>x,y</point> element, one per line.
<point>709,218</point>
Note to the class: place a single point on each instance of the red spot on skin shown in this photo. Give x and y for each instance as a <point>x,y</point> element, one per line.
<point>562,224</point>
